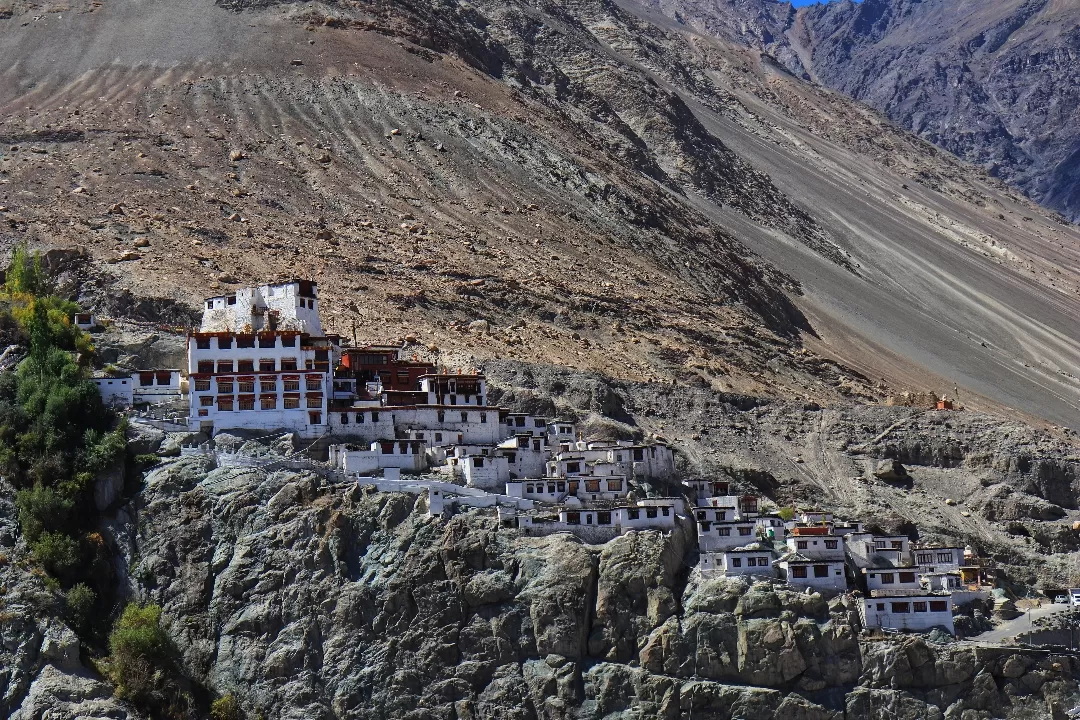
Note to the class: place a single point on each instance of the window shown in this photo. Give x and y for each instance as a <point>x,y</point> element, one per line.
<point>650,512</point>
<point>438,437</point>
<point>292,403</point>
<point>483,417</point>
<point>639,455</point>
<point>314,401</point>
<point>245,341</point>
<point>665,511</point>
<point>291,385</point>
<point>247,403</point>
<point>225,366</point>
<point>736,562</point>
<point>206,366</point>
<point>478,462</point>
<point>245,366</point>
<point>723,532</point>
<point>344,418</point>
<point>830,544</point>
<point>897,544</point>
<point>359,417</point>
<point>881,607</point>
<point>633,514</point>
<point>573,518</point>
<point>751,562</point>
<point>288,364</point>
<point>225,404</point>
<point>225,386</point>
<point>744,531</point>
<point>538,423</point>
<point>268,385</point>
<point>939,606</point>
<point>821,571</point>
<point>288,341</point>
<point>374,416</point>
<point>230,300</point>
<point>887,578</point>
<point>314,382</point>
<point>267,365</point>
<point>800,544</point>
<point>901,607</point>
<point>224,343</point>
<point>441,416</point>
<point>798,572</point>
<point>268,403</point>
<point>464,417</point>
<point>907,577</point>
<point>247,386</point>
<point>721,514</point>
<point>209,304</point>
<point>266,341</point>
<point>763,562</point>
<point>945,557</point>
<point>614,485</point>
<point>879,544</point>
<point>315,418</point>
<point>603,517</point>
<point>146,379</point>
<point>202,385</point>
<point>206,400</point>
<point>918,606</point>
<point>573,467</point>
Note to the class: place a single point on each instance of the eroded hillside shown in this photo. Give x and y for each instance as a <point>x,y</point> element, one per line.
<point>597,186</point>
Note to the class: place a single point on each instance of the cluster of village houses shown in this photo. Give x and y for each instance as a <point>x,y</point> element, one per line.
<point>260,361</point>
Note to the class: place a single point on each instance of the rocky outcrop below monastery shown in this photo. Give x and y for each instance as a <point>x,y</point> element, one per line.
<point>306,597</point>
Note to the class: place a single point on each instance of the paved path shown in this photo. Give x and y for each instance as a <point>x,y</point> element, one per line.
<point>1011,628</point>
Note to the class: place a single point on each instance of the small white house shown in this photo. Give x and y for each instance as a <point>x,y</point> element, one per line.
<point>816,547</point>
<point>156,386</point>
<point>84,321</point>
<point>917,613</point>
<point>488,472</point>
<point>752,560</point>
<point>938,559</point>
<point>886,581</point>
<point>866,550</point>
<point>115,391</point>
<point>726,535</point>
<point>406,455</point>
<point>802,572</point>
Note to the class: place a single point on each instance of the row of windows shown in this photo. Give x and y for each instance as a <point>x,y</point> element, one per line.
<point>751,562</point>
<point>829,544</point>
<point>266,385</point>
<point>266,402</point>
<point>604,516</point>
<point>820,571</point>
<point>927,558</point>
<point>919,606</point>
<point>743,531</point>
<point>520,422</point>
<point>250,341</point>
<point>889,578</point>
<point>895,544</point>
<point>205,367</point>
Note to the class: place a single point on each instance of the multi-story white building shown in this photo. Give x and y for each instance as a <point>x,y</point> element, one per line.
<point>887,581</point>
<point>918,613</point>
<point>260,361</point>
<point>938,559</point>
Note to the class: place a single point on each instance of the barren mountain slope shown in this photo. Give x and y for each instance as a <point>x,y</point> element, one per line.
<point>650,201</point>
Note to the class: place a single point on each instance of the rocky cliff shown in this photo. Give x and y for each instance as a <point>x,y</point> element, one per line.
<point>308,599</point>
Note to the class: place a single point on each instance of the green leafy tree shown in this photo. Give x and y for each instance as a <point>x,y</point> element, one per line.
<point>25,275</point>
